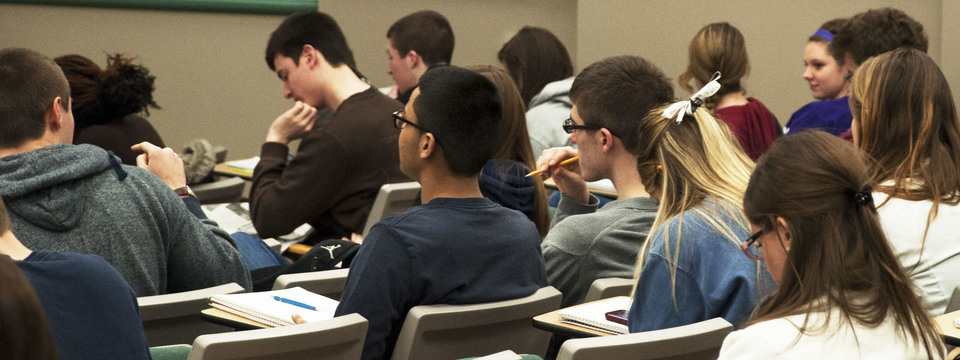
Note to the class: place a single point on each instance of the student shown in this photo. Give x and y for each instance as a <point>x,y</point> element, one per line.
<point>585,243</point>
<point>541,67</point>
<point>107,104</point>
<point>340,166</point>
<point>92,312</point>
<point>458,247</point>
<point>24,333</point>
<point>690,268</point>
<point>78,198</point>
<point>829,82</point>
<point>415,43</point>
<point>721,47</point>
<point>905,119</point>
<point>875,32</point>
<point>503,178</point>
<point>842,293</point>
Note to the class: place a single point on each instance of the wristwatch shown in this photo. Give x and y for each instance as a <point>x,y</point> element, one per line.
<point>184,191</point>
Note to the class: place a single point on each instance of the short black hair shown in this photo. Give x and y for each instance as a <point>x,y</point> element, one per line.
<point>29,83</point>
<point>463,110</point>
<point>311,28</point>
<point>428,33</point>
<point>618,92</point>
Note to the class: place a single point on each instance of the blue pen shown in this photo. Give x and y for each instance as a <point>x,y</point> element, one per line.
<point>294,303</point>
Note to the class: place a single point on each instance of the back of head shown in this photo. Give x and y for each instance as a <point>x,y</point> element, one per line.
<point>535,57</point>
<point>716,47</point>
<point>820,186</point>
<point>907,121</point>
<point>428,33</point>
<point>618,92</point>
<point>103,96</point>
<point>24,333</point>
<point>463,110</point>
<point>875,32</point>
<point>29,83</point>
<point>312,28</point>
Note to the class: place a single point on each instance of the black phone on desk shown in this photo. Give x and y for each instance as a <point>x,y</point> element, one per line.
<point>617,316</point>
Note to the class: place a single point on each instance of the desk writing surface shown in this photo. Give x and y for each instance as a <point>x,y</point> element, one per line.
<point>951,335</point>
<point>221,317</point>
<point>227,170</point>
<point>550,184</point>
<point>551,322</point>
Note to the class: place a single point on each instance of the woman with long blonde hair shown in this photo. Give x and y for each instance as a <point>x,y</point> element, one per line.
<point>904,117</point>
<point>690,268</point>
<point>842,293</point>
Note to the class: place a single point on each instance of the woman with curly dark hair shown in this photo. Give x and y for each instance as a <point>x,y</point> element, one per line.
<point>107,104</point>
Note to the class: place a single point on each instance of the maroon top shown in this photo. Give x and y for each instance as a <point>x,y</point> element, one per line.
<point>753,124</point>
<point>336,174</point>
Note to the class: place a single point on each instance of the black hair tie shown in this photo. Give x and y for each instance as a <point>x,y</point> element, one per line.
<point>864,197</point>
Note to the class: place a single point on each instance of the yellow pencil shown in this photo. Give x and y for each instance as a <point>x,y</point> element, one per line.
<point>565,162</point>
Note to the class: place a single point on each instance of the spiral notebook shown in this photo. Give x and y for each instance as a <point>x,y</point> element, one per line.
<point>593,315</point>
<point>263,308</point>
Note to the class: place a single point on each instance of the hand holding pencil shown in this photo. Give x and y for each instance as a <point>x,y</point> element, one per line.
<point>562,164</point>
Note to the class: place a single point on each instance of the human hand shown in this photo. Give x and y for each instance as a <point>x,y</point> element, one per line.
<point>355,238</point>
<point>164,163</point>
<point>568,176</point>
<point>297,319</point>
<point>292,124</point>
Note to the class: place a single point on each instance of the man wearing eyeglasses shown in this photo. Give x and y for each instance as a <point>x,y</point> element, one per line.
<point>458,247</point>
<point>340,166</point>
<point>610,97</point>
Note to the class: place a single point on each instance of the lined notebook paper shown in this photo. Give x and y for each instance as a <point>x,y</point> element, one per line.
<point>593,315</point>
<point>262,308</point>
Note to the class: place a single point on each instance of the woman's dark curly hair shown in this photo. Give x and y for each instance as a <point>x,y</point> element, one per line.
<point>107,95</point>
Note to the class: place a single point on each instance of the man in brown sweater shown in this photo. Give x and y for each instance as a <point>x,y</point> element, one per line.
<point>340,165</point>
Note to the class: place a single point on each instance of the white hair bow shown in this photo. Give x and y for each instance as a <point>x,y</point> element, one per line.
<point>680,107</point>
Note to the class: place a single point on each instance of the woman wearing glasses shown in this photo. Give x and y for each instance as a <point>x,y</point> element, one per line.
<point>690,268</point>
<point>842,293</point>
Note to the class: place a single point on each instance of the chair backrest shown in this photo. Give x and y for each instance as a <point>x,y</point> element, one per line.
<point>700,340</point>
<point>175,318</point>
<point>340,338</point>
<point>457,331</point>
<point>328,283</point>
<point>391,199</point>
<point>954,303</point>
<point>608,288</point>
<point>226,190</point>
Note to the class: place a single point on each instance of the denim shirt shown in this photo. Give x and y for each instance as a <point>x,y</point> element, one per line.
<point>713,278</point>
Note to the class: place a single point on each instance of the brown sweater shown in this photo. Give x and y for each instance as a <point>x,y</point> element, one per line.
<point>334,178</point>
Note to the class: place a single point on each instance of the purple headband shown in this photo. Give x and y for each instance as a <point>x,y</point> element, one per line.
<point>826,35</point>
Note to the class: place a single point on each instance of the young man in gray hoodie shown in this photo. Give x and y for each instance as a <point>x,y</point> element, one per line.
<point>80,198</point>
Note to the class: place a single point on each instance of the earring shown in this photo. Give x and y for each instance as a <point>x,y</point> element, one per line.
<point>659,169</point>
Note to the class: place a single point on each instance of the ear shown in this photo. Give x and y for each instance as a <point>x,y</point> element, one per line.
<point>413,59</point>
<point>783,229</point>
<point>428,145</point>
<point>606,140</point>
<point>54,115</point>
<point>309,56</point>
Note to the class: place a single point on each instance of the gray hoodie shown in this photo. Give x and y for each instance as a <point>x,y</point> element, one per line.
<point>79,198</point>
<point>545,115</point>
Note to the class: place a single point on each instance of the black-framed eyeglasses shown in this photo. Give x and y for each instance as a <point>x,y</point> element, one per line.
<point>751,247</point>
<point>569,126</point>
<point>399,121</point>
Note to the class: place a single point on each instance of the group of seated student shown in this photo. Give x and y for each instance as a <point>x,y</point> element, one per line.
<point>822,249</point>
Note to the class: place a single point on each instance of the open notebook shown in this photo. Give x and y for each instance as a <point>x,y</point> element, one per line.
<point>263,308</point>
<point>593,315</point>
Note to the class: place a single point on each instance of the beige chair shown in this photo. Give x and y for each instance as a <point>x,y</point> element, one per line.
<point>459,331</point>
<point>226,190</point>
<point>175,318</point>
<point>392,199</point>
<point>700,340</point>
<point>340,338</point>
<point>328,283</point>
<point>608,288</point>
<point>954,303</point>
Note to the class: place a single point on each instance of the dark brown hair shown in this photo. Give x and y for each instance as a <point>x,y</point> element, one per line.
<point>716,47</point>
<point>428,33</point>
<point>515,140</point>
<point>838,251</point>
<point>832,26</point>
<point>106,95</point>
<point>24,333</point>
<point>310,28</point>
<point>535,57</point>
<point>29,84</point>
<point>618,92</point>
<point>875,32</point>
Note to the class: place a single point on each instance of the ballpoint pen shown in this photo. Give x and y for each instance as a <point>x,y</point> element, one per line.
<point>294,303</point>
<point>565,162</point>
